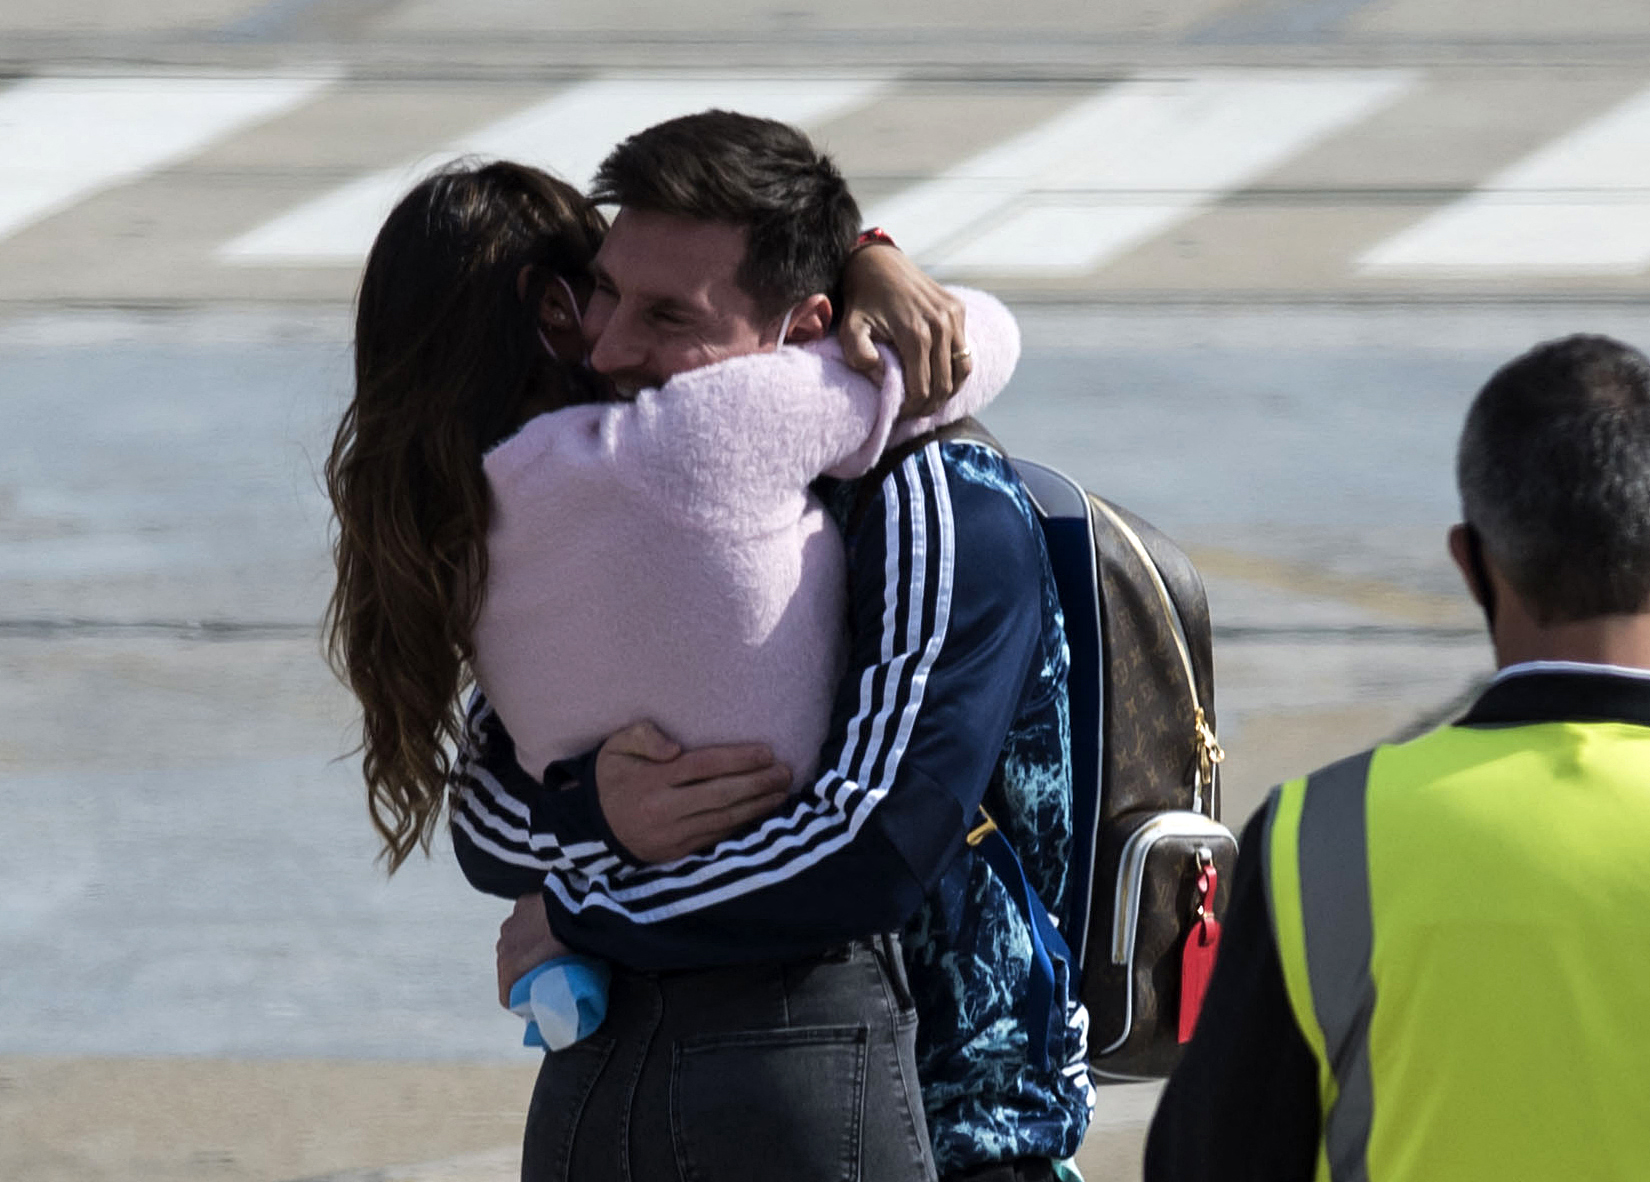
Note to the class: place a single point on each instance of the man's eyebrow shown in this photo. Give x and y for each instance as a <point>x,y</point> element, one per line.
<point>672,306</point>
<point>656,303</point>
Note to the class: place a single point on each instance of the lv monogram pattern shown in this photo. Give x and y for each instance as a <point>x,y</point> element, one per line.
<point>1152,764</point>
<point>1151,719</point>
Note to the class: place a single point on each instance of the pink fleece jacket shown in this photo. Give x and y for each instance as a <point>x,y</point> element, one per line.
<point>663,559</point>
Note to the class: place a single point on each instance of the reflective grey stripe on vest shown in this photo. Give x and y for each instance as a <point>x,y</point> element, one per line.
<point>1334,867</point>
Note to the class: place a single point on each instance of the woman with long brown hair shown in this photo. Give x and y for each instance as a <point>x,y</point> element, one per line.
<point>449,361</point>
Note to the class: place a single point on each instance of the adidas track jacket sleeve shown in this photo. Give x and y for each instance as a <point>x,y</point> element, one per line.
<point>946,595</point>
<point>509,831</point>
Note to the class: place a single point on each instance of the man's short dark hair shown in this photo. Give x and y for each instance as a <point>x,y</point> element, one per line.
<point>1554,472</point>
<point>720,166</point>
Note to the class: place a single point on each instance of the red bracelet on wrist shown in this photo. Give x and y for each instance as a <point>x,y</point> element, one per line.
<point>875,236</point>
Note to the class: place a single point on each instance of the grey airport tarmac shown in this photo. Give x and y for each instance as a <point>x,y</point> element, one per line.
<point>203,975</point>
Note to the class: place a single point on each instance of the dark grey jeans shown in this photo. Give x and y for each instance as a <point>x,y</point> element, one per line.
<point>804,1071</point>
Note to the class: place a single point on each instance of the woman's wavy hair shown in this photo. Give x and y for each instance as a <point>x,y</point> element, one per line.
<point>448,358</point>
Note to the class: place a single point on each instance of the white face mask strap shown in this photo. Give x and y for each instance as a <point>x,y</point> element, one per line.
<point>548,347</point>
<point>784,328</point>
<point>572,302</point>
<point>578,320</point>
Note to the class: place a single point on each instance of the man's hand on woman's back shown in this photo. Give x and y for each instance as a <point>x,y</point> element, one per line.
<point>662,803</point>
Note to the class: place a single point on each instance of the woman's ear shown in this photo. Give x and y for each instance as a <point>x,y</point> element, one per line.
<point>555,310</point>
<point>556,307</point>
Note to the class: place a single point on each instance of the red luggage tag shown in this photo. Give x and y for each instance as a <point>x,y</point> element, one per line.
<point>1197,960</point>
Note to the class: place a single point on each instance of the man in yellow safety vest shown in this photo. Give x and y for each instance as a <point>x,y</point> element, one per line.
<point>1436,962</point>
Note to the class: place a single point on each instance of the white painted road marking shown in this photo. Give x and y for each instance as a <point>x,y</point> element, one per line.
<point>1114,169</point>
<point>1580,205</point>
<point>63,139</point>
<point>568,134</point>
<point>1125,165</point>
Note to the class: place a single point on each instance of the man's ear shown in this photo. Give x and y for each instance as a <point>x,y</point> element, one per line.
<point>1466,546</point>
<point>1460,550</point>
<point>811,321</point>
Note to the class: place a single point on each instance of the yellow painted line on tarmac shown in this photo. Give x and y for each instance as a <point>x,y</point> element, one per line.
<point>1379,597</point>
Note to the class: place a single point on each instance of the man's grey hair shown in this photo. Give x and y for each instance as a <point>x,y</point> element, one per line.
<point>1554,473</point>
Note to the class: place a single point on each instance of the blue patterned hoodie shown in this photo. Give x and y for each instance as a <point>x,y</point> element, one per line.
<point>955,698</point>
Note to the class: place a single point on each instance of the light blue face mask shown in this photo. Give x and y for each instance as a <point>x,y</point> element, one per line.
<point>563,1000</point>
<point>578,321</point>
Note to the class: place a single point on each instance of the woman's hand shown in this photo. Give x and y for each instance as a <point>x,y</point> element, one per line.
<point>525,941</point>
<point>887,298</point>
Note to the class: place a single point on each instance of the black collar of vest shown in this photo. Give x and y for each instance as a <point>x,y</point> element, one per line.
<point>1562,696</point>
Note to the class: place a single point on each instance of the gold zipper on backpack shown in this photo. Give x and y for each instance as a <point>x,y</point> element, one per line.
<point>1209,751</point>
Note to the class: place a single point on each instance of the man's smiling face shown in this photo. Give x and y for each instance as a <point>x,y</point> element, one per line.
<point>666,300</point>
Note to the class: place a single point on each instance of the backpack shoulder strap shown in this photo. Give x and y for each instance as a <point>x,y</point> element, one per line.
<point>966,430</point>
